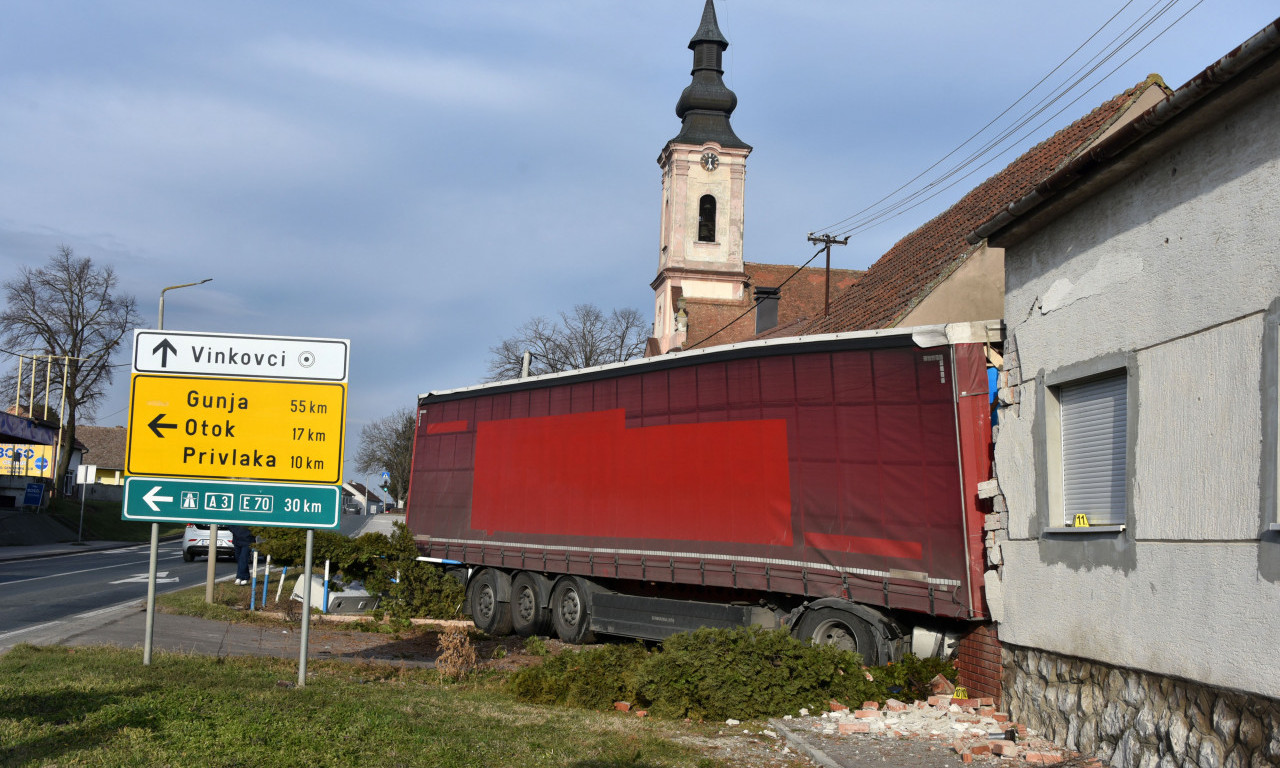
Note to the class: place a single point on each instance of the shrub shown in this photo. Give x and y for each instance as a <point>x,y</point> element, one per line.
<point>747,673</point>
<point>592,678</point>
<point>908,679</point>
<point>386,565</point>
<point>535,646</point>
<point>457,655</point>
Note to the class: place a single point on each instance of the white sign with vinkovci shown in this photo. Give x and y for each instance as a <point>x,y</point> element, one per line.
<point>289,358</point>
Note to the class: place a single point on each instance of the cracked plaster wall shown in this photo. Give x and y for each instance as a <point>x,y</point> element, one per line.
<point>1174,273</point>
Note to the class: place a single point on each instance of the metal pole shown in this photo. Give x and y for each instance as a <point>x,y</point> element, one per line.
<point>17,391</point>
<point>253,580</point>
<point>306,610</point>
<point>31,396</point>
<point>213,561</point>
<point>48,369</point>
<point>80,535</point>
<point>151,596</point>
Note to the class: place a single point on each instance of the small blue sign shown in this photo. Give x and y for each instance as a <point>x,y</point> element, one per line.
<point>34,495</point>
<point>386,476</point>
<point>42,463</point>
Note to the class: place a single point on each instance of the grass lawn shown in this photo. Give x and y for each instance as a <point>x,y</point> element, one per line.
<point>102,521</point>
<point>100,706</point>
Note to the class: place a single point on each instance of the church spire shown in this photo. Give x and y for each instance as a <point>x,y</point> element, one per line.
<point>705,105</point>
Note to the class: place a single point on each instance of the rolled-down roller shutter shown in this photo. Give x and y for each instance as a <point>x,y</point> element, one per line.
<point>1093,450</point>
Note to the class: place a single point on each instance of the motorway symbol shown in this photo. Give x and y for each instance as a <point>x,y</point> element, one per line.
<point>236,429</point>
<point>241,356</point>
<point>156,425</point>
<point>151,498</point>
<point>142,578</point>
<point>290,505</point>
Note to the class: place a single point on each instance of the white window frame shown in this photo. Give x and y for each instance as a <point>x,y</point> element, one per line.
<point>1099,387</point>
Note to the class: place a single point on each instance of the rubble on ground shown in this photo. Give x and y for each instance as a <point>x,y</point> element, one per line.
<point>973,728</point>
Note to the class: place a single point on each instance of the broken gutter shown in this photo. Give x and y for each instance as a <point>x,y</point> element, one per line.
<point>1193,92</point>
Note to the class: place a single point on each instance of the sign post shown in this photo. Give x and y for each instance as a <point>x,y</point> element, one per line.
<point>229,429</point>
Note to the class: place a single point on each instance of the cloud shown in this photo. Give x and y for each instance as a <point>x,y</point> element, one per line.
<point>446,81</point>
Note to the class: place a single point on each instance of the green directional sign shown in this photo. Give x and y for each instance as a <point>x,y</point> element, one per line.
<point>231,502</point>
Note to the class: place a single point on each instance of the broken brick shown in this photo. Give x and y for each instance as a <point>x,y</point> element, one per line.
<point>1043,758</point>
<point>865,713</point>
<point>980,749</point>
<point>870,705</point>
<point>837,706</point>
<point>622,706</point>
<point>642,713</point>
<point>893,705</point>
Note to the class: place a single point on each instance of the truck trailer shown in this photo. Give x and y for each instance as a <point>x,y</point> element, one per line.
<point>827,484</point>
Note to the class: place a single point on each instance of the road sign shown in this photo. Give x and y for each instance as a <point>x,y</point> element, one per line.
<point>179,353</point>
<point>231,503</point>
<point>281,431</point>
<point>34,495</point>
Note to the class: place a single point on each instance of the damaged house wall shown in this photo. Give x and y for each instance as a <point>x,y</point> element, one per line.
<point>1150,639</point>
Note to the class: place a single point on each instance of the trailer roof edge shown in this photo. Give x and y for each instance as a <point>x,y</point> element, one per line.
<point>979,331</point>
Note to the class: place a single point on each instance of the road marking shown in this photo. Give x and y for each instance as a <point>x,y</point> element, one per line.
<point>27,629</point>
<point>142,578</point>
<point>85,570</point>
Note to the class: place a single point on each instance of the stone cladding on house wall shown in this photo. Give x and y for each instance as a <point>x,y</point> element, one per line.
<point>1134,719</point>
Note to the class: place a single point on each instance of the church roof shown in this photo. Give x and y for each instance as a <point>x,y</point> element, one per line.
<point>706,103</point>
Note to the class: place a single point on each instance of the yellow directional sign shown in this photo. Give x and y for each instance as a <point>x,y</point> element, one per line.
<point>283,431</point>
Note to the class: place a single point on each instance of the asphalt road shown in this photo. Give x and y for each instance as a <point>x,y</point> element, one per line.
<point>45,596</point>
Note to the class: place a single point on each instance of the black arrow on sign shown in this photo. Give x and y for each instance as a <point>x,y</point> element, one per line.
<point>164,348</point>
<point>157,425</point>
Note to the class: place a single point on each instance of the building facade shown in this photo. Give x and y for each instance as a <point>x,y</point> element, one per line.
<point>1138,586</point>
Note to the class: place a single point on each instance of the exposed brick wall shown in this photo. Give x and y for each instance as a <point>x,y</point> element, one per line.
<point>979,663</point>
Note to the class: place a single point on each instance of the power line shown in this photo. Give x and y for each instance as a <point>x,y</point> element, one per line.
<point>879,212</point>
<point>755,303</point>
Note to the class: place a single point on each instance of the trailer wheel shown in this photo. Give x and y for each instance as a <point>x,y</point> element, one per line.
<point>846,631</point>
<point>571,611</point>
<point>491,614</point>
<point>529,614</point>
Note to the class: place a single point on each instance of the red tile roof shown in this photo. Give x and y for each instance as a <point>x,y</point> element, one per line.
<point>802,297</point>
<point>915,264</point>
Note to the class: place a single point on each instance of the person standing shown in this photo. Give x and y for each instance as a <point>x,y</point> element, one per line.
<point>242,541</point>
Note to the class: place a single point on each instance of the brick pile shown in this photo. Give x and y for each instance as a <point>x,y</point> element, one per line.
<point>972,727</point>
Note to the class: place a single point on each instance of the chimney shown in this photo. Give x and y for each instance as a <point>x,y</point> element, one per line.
<point>766,308</point>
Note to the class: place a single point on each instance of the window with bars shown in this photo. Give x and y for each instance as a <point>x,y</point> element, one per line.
<point>1092,421</point>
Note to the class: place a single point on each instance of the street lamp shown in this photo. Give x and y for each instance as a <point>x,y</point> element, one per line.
<point>155,532</point>
<point>160,323</point>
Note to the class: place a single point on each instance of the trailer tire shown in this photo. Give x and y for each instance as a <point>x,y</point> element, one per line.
<point>571,610</point>
<point>845,630</point>
<point>529,614</point>
<point>487,596</point>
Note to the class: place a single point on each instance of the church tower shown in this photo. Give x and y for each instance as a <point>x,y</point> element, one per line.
<point>703,179</point>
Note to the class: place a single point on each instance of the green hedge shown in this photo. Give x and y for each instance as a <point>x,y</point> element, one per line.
<point>720,673</point>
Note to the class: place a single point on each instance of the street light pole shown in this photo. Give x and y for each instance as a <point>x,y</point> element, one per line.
<point>155,528</point>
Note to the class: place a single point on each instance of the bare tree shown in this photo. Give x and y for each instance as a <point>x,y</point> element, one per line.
<point>69,309</point>
<point>582,338</point>
<point>387,444</point>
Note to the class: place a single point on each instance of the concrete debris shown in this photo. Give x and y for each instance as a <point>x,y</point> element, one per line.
<point>971,727</point>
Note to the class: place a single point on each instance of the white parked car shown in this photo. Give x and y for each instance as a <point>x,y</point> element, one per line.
<point>195,542</point>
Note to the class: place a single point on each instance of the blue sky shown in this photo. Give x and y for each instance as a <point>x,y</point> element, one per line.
<point>422,177</point>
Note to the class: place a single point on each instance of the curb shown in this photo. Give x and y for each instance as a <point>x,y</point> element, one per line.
<point>798,743</point>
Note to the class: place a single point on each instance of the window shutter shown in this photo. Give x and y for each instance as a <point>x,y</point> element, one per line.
<point>1093,450</point>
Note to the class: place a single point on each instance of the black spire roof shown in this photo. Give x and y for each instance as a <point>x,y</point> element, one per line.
<point>705,105</point>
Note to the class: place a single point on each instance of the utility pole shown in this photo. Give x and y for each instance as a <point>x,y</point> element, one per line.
<point>828,241</point>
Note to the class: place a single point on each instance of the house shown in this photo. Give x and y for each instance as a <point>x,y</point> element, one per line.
<point>105,449</point>
<point>359,499</point>
<point>1138,586</point>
